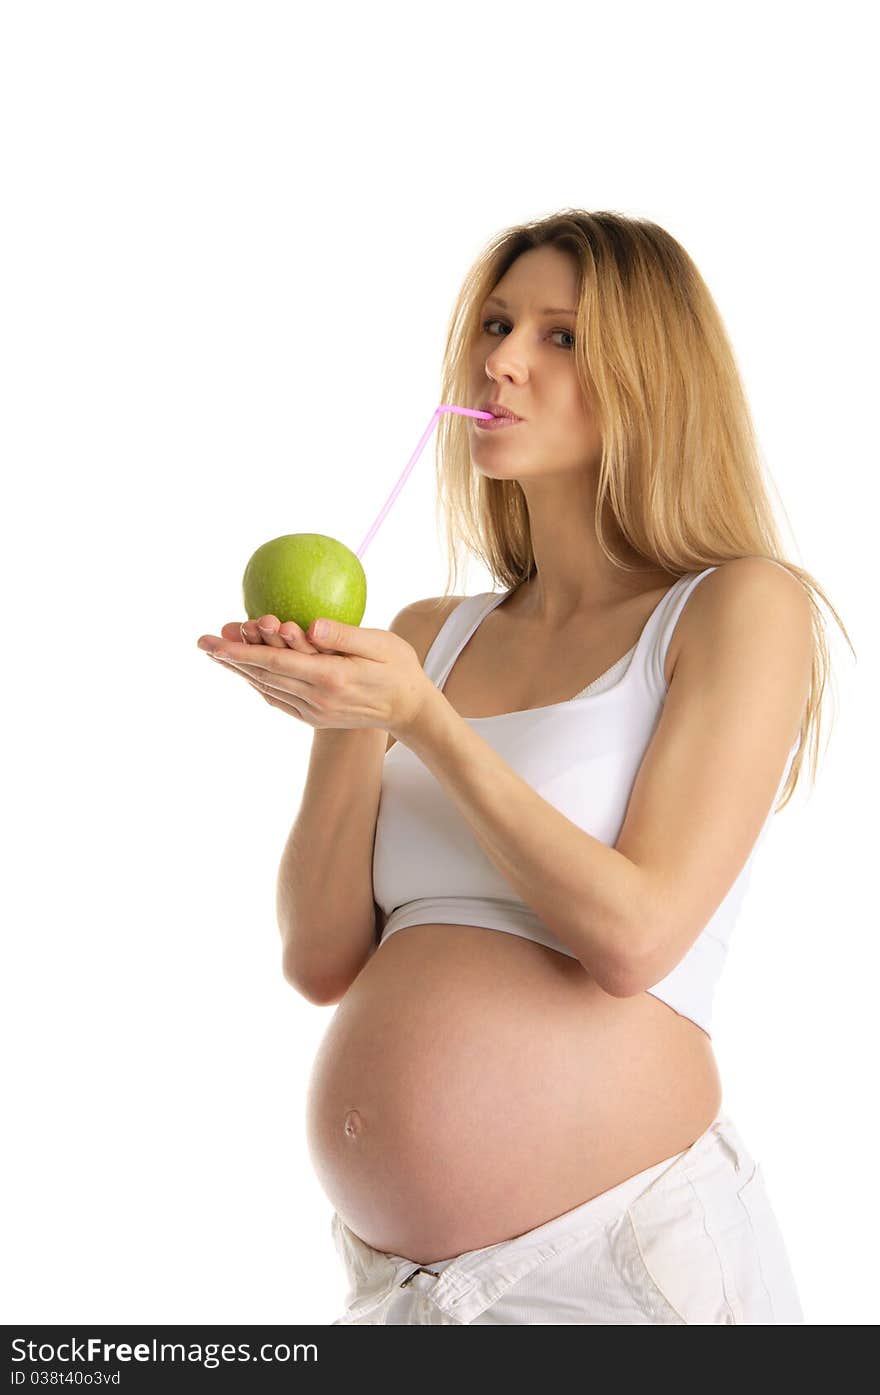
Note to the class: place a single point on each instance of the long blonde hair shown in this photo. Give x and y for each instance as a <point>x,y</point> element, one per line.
<point>681,471</point>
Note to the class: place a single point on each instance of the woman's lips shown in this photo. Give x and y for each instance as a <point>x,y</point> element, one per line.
<point>497,423</point>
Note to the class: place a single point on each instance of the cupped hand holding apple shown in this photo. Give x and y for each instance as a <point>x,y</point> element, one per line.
<point>345,679</point>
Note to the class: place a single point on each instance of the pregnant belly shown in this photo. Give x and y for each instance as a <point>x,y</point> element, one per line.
<point>473,1085</point>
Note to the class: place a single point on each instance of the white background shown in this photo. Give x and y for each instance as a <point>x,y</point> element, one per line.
<point>232,239</point>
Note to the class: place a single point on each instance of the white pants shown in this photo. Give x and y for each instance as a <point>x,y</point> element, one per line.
<point>692,1239</point>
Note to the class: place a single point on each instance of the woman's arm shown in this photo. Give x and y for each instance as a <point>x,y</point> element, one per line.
<point>705,787</point>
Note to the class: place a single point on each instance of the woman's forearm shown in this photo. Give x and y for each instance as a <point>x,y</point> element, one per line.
<point>324,893</point>
<point>592,897</point>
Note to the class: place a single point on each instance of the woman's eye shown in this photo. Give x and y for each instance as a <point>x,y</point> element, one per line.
<point>487,323</point>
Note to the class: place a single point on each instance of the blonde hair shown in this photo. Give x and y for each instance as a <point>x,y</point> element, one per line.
<point>680,471</point>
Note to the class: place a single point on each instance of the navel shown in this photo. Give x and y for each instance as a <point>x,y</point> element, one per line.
<point>353,1123</point>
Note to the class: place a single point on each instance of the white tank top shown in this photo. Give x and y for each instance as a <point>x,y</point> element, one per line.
<point>582,756</point>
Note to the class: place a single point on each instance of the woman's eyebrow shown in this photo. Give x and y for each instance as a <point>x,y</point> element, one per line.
<point>551,310</point>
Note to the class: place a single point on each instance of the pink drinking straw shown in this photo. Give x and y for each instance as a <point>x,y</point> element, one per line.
<point>445,407</point>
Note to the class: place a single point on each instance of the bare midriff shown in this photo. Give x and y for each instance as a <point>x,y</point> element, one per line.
<point>473,1084</point>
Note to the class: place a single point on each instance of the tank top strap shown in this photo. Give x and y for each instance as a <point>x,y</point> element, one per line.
<point>455,632</point>
<point>661,625</point>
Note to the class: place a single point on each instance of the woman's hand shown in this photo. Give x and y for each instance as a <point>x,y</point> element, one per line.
<point>267,630</point>
<point>350,678</point>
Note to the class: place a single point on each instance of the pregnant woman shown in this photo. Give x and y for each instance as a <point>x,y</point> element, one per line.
<point>531,814</point>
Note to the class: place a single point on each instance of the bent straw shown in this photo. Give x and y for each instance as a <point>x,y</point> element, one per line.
<point>445,407</point>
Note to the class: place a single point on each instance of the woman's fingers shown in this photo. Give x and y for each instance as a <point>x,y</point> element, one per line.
<point>263,681</point>
<point>253,669</point>
<point>269,630</point>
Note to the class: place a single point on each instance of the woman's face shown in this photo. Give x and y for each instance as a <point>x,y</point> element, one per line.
<point>523,357</point>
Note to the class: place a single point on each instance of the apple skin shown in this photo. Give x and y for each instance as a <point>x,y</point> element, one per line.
<point>301,576</point>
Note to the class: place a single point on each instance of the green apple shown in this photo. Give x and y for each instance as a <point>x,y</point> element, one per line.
<point>301,576</point>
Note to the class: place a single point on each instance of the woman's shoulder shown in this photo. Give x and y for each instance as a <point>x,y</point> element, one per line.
<point>420,622</point>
